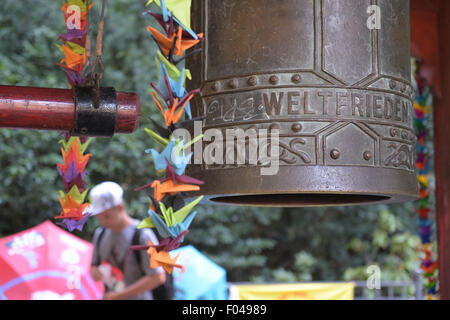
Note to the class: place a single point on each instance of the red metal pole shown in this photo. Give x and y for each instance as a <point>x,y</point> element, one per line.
<point>54,109</point>
<point>442,154</point>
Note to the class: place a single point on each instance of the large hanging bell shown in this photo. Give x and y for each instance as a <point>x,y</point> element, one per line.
<point>331,77</point>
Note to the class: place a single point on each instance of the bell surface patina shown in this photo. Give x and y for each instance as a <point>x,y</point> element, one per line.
<point>333,76</point>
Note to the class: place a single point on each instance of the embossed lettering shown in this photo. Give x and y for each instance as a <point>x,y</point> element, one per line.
<point>262,105</point>
<point>292,103</point>
<point>357,101</point>
<point>397,110</point>
<point>405,113</point>
<point>388,106</point>
<point>377,112</point>
<point>274,103</point>
<point>307,103</point>
<point>340,102</point>
<point>325,95</point>
<point>369,106</point>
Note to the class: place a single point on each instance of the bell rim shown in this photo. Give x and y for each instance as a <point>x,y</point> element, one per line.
<point>367,186</point>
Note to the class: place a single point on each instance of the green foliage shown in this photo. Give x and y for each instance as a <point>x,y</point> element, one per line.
<point>253,244</point>
<point>26,167</point>
<point>391,247</point>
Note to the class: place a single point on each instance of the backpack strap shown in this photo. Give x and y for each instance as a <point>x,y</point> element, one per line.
<point>135,242</point>
<point>97,245</point>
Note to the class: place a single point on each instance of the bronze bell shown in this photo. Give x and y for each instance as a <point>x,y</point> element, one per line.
<point>332,77</point>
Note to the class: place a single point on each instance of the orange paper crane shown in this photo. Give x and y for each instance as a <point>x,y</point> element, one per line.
<point>71,209</point>
<point>71,58</point>
<point>161,189</point>
<point>167,43</point>
<point>163,259</point>
<point>172,115</point>
<point>74,155</point>
<point>430,269</point>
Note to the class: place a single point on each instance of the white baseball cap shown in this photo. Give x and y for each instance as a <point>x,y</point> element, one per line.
<point>105,196</point>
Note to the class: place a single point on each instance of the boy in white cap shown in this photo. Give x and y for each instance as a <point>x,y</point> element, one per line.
<point>111,242</point>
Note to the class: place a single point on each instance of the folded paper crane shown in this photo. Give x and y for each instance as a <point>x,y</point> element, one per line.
<point>168,213</point>
<point>162,259</point>
<point>74,210</point>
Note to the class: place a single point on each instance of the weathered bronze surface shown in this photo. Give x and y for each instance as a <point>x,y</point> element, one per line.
<point>338,91</point>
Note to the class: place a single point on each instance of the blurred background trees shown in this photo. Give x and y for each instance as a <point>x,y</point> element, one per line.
<point>253,244</point>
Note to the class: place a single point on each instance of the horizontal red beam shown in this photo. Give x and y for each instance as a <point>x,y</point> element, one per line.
<point>54,109</point>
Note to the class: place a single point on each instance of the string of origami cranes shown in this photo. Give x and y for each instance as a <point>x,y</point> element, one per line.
<point>169,214</point>
<point>423,107</point>
<point>72,170</point>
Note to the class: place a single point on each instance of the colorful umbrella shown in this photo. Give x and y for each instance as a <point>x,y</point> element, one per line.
<point>46,262</point>
<point>202,279</point>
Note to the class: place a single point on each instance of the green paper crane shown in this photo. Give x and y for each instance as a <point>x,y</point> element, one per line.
<point>171,218</point>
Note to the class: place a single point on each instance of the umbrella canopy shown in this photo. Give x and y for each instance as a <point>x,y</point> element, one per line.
<point>46,262</point>
<point>202,279</point>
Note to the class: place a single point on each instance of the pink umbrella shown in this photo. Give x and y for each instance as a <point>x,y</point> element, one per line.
<point>46,262</point>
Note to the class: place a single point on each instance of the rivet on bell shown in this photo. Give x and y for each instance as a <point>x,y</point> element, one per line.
<point>335,154</point>
<point>252,81</point>
<point>393,132</point>
<point>367,155</point>
<point>273,79</point>
<point>296,127</point>
<point>215,86</point>
<point>296,78</point>
<point>232,84</point>
<point>392,84</point>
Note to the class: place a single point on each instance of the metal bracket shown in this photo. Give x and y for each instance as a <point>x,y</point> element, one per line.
<point>95,115</point>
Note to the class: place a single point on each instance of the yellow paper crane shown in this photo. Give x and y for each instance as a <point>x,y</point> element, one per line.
<point>181,9</point>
